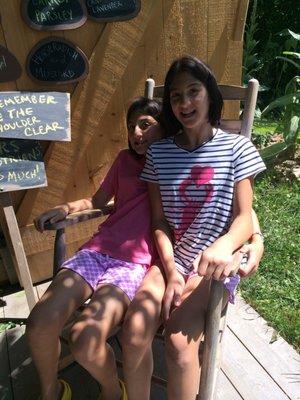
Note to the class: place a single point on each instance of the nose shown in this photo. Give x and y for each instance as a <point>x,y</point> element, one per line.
<point>138,132</point>
<point>184,100</point>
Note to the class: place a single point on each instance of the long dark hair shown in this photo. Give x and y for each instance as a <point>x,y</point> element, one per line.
<point>142,105</point>
<point>199,70</point>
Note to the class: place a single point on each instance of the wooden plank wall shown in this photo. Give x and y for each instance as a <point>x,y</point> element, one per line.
<point>122,55</point>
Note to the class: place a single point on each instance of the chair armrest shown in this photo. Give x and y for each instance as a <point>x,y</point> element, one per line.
<point>80,216</point>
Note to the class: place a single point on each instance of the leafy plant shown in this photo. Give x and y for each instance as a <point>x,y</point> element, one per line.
<point>250,59</point>
<point>290,104</point>
<point>266,37</point>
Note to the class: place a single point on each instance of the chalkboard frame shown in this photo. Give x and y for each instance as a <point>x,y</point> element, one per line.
<point>60,27</point>
<point>117,19</point>
<point>41,114</point>
<point>62,40</point>
<point>15,72</point>
<point>29,163</point>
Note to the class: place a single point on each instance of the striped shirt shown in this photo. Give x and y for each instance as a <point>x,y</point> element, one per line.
<point>197,188</point>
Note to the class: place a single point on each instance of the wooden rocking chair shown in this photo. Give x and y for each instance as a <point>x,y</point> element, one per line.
<point>216,318</point>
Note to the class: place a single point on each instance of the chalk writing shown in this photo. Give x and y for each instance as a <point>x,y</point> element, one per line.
<point>57,60</point>
<point>2,63</point>
<point>21,165</point>
<point>44,116</point>
<point>118,10</point>
<point>54,14</point>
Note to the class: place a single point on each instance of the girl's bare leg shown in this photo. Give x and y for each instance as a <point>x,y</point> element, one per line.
<point>65,294</point>
<point>184,331</point>
<point>141,323</point>
<point>90,332</point>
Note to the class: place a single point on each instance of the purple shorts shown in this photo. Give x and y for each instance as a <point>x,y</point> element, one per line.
<point>231,283</point>
<point>98,269</point>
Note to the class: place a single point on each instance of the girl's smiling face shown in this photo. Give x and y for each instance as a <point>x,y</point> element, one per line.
<point>189,100</point>
<point>143,130</point>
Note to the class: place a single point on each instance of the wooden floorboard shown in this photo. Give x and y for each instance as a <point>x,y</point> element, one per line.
<point>247,375</point>
<point>269,349</point>
<point>257,363</point>
<point>6,392</point>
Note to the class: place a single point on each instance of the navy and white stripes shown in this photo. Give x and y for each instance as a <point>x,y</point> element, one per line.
<point>197,188</point>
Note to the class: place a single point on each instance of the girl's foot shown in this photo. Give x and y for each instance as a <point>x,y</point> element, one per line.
<point>65,392</point>
<point>123,390</point>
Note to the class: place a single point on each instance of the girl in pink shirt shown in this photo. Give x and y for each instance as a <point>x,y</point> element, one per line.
<point>108,269</point>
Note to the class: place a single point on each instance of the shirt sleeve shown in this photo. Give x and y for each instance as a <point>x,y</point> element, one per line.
<point>149,174</point>
<point>110,182</point>
<point>246,159</point>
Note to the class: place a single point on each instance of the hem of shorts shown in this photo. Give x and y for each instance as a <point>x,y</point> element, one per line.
<point>113,284</point>
<point>76,272</point>
<point>102,283</point>
<point>107,253</point>
<point>231,297</point>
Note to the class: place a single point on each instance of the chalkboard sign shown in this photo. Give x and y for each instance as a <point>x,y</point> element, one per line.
<point>10,69</point>
<point>35,116</point>
<point>54,14</point>
<point>55,60</point>
<point>21,165</point>
<point>112,10</point>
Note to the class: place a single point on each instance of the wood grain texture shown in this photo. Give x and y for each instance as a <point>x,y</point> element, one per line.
<point>251,379</point>
<point>122,55</point>
<point>107,65</point>
<point>5,380</point>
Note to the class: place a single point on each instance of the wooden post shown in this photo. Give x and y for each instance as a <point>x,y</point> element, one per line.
<point>209,370</point>
<point>13,239</point>
<point>249,108</point>
<point>149,88</point>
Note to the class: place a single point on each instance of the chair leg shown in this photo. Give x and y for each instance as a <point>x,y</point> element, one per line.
<point>59,250</point>
<point>211,342</point>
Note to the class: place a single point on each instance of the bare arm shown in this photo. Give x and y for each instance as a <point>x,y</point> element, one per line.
<point>163,239</point>
<point>58,213</point>
<point>254,249</point>
<point>216,260</point>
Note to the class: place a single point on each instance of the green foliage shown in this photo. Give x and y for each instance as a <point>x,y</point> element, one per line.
<point>274,290</point>
<point>289,103</point>
<point>263,131</point>
<point>250,59</point>
<point>266,37</point>
<point>8,325</point>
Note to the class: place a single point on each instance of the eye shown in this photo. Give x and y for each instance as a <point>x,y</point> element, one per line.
<point>130,127</point>
<point>194,91</point>
<point>144,124</point>
<point>174,96</point>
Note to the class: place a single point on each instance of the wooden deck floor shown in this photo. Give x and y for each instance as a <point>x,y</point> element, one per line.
<point>257,363</point>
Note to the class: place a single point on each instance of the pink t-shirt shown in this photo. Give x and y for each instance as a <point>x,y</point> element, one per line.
<point>126,233</point>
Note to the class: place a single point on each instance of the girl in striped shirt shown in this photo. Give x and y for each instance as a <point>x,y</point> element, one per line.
<point>200,187</point>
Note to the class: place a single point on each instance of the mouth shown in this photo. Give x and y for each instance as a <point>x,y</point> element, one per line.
<point>140,143</point>
<point>187,115</point>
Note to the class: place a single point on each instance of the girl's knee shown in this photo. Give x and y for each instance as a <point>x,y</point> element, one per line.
<point>136,332</point>
<point>87,342</point>
<point>180,351</point>
<point>40,322</point>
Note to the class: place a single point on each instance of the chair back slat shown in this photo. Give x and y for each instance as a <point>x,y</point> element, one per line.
<point>247,94</point>
<point>231,125</point>
<point>230,92</point>
<point>149,88</point>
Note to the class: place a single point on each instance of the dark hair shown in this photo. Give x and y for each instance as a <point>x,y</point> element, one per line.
<point>199,70</point>
<point>142,105</point>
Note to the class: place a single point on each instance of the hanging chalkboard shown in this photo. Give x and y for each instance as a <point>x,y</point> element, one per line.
<point>55,60</point>
<point>38,116</point>
<point>112,10</point>
<point>21,165</point>
<point>10,69</point>
<point>54,14</point>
